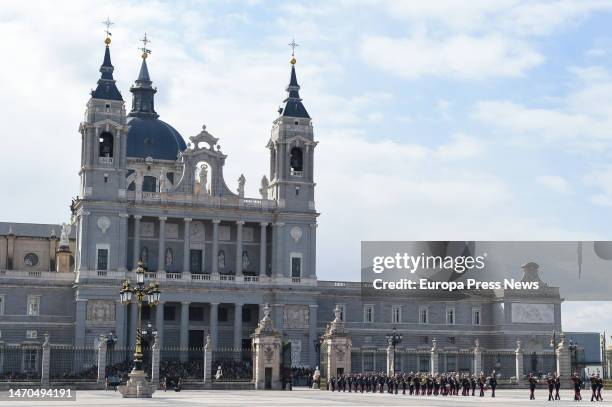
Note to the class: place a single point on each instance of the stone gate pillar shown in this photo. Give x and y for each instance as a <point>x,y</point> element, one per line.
<point>519,362</point>
<point>45,362</point>
<point>564,364</point>
<point>102,359</point>
<point>267,347</point>
<point>338,345</point>
<point>155,362</point>
<point>390,360</point>
<point>477,357</point>
<point>434,357</point>
<point>207,361</point>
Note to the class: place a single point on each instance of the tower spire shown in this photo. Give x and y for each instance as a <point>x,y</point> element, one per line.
<point>293,103</point>
<point>107,89</point>
<point>143,92</point>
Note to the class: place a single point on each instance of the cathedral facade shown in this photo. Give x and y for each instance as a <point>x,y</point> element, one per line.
<point>146,195</point>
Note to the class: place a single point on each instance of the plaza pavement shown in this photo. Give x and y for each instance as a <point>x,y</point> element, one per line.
<point>306,397</point>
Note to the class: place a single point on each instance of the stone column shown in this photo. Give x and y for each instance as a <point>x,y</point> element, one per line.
<point>45,362</point>
<point>207,360</point>
<point>52,251</point>
<point>477,357</point>
<point>239,225</point>
<point>184,330</point>
<point>79,328</point>
<point>278,250</point>
<point>214,313</point>
<point>263,248</point>
<point>10,249</point>
<point>136,241</point>
<point>155,360</point>
<point>102,359</point>
<point>133,320</point>
<point>215,249</point>
<point>120,321</point>
<point>278,316</point>
<point>313,361</point>
<point>564,363</point>
<point>267,346</point>
<point>433,361</point>
<point>122,244</point>
<point>390,360</point>
<point>159,324</point>
<point>519,362</point>
<point>238,326</point>
<point>187,245</point>
<point>161,251</point>
<point>312,262</point>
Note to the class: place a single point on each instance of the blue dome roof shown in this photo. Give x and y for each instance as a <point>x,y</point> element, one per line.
<point>151,137</point>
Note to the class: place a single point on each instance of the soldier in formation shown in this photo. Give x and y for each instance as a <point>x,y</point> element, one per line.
<point>419,384</point>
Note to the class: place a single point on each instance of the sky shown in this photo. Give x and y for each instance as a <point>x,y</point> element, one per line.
<point>488,121</point>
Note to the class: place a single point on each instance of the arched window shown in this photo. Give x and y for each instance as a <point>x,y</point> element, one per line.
<point>149,184</point>
<point>296,160</point>
<point>106,144</point>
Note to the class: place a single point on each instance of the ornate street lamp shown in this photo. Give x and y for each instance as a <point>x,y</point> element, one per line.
<point>143,294</point>
<point>394,339</point>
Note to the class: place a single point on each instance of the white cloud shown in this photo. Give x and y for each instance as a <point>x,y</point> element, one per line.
<point>534,17</point>
<point>555,183</point>
<point>600,180</point>
<point>460,56</point>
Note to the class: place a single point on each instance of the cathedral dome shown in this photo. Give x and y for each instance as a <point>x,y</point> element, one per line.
<point>147,135</point>
<point>151,137</point>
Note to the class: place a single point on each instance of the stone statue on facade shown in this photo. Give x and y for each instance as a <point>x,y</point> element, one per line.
<point>65,235</point>
<point>162,181</point>
<point>169,256</point>
<point>246,263</point>
<point>203,177</point>
<point>221,259</point>
<point>264,187</point>
<point>241,182</point>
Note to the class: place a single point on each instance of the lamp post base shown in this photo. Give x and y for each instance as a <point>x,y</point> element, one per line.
<point>137,386</point>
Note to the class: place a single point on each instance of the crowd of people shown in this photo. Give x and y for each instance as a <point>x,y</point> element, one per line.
<point>450,384</point>
<point>232,370</point>
<point>554,383</point>
<point>418,384</point>
<point>187,370</point>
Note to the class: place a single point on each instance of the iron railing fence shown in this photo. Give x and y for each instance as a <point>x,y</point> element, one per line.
<point>120,361</point>
<point>233,364</point>
<point>502,362</point>
<point>20,363</point>
<point>461,361</point>
<point>539,363</point>
<point>74,364</point>
<point>186,363</point>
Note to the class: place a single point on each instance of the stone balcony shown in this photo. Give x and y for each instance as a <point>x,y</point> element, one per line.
<point>194,279</point>
<point>232,202</point>
<point>190,279</point>
<point>33,276</point>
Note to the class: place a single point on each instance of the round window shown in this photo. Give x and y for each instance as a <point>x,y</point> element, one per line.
<point>30,259</point>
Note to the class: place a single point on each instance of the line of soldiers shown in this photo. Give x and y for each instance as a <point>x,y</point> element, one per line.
<point>554,383</point>
<point>444,384</point>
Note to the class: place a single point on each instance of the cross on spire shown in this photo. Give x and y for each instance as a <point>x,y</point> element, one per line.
<point>293,45</point>
<point>145,51</point>
<point>108,23</point>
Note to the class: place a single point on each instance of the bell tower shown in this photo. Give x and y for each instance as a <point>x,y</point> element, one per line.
<point>292,151</point>
<point>103,138</point>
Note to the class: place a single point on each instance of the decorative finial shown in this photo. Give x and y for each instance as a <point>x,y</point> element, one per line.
<point>108,23</point>
<point>293,44</point>
<point>144,49</point>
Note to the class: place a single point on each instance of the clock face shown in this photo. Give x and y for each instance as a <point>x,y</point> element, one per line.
<point>30,260</point>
